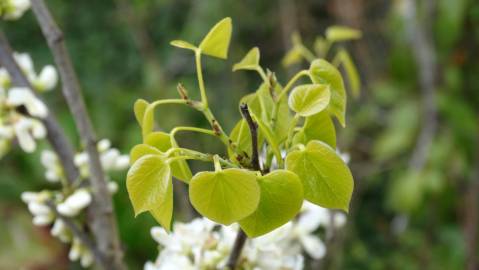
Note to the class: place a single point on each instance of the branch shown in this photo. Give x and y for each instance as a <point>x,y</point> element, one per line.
<point>103,223</point>
<point>425,56</point>
<point>241,236</point>
<point>78,232</point>
<point>55,135</point>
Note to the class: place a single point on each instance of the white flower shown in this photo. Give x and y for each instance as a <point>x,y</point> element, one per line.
<point>75,250</point>
<point>23,96</point>
<point>103,145</point>
<point>47,79</point>
<point>61,231</point>
<point>86,258</point>
<point>111,159</point>
<point>50,161</point>
<point>26,130</point>
<point>14,9</point>
<point>73,204</point>
<point>42,214</point>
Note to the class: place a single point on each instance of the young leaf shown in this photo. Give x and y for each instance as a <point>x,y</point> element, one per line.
<point>162,142</point>
<point>147,183</point>
<point>341,33</point>
<point>321,46</point>
<point>183,44</point>
<point>139,109</point>
<point>317,127</point>
<point>142,150</point>
<point>148,121</point>
<point>322,72</point>
<point>249,62</point>
<point>309,99</point>
<point>164,213</point>
<point>225,196</point>
<point>351,71</point>
<point>281,199</point>
<point>217,41</point>
<point>326,179</point>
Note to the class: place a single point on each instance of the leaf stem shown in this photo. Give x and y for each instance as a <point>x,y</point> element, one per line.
<point>291,82</point>
<point>185,153</point>
<point>201,83</point>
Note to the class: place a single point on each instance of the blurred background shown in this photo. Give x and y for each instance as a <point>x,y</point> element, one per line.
<point>412,134</point>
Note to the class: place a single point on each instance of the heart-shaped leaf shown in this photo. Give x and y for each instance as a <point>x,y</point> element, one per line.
<point>183,44</point>
<point>139,109</point>
<point>326,179</point>
<point>317,127</point>
<point>162,142</point>
<point>322,72</point>
<point>337,33</point>
<point>249,62</point>
<point>164,213</point>
<point>147,183</point>
<point>141,150</point>
<point>281,199</point>
<point>217,41</point>
<point>309,99</point>
<point>225,196</point>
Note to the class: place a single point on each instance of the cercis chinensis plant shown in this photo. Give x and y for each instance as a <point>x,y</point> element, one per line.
<point>290,125</point>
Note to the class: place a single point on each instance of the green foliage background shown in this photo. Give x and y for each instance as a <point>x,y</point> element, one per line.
<point>400,218</point>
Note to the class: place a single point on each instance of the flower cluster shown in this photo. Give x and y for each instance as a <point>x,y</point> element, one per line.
<point>47,205</point>
<point>13,9</point>
<point>20,109</point>
<point>201,244</point>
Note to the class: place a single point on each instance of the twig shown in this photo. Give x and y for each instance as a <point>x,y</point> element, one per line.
<point>425,56</point>
<point>103,223</point>
<point>241,236</point>
<point>78,232</point>
<point>55,134</point>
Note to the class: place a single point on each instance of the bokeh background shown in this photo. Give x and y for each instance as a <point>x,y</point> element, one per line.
<point>412,134</point>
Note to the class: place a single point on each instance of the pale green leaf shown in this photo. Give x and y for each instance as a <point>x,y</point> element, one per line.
<point>326,179</point>
<point>322,72</point>
<point>140,150</point>
<point>147,183</point>
<point>249,62</point>
<point>281,199</point>
<point>342,33</point>
<point>317,127</point>
<point>139,109</point>
<point>321,46</point>
<point>183,44</point>
<point>309,99</point>
<point>162,142</point>
<point>148,120</point>
<point>164,213</point>
<point>225,196</point>
<point>293,56</point>
<point>217,41</point>
<point>351,71</point>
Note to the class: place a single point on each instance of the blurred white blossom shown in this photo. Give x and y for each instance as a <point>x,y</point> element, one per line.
<point>74,203</point>
<point>13,9</point>
<point>201,244</point>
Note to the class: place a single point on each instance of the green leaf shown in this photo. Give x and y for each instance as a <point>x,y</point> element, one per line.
<point>164,213</point>
<point>241,137</point>
<point>317,127</point>
<point>147,183</point>
<point>342,33</point>
<point>322,72</point>
<point>217,41</point>
<point>321,46</point>
<point>162,142</point>
<point>148,120</point>
<point>142,150</point>
<point>351,71</point>
<point>281,199</point>
<point>326,179</point>
<point>225,196</point>
<point>292,57</point>
<point>139,109</point>
<point>249,62</point>
<point>183,44</point>
<point>309,99</point>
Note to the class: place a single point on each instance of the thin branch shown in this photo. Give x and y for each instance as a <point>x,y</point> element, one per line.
<point>55,134</point>
<point>255,164</point>
<point>103,223</point>
<point>78,232</point>
<point>253,127</point>
<point>425,55</point>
